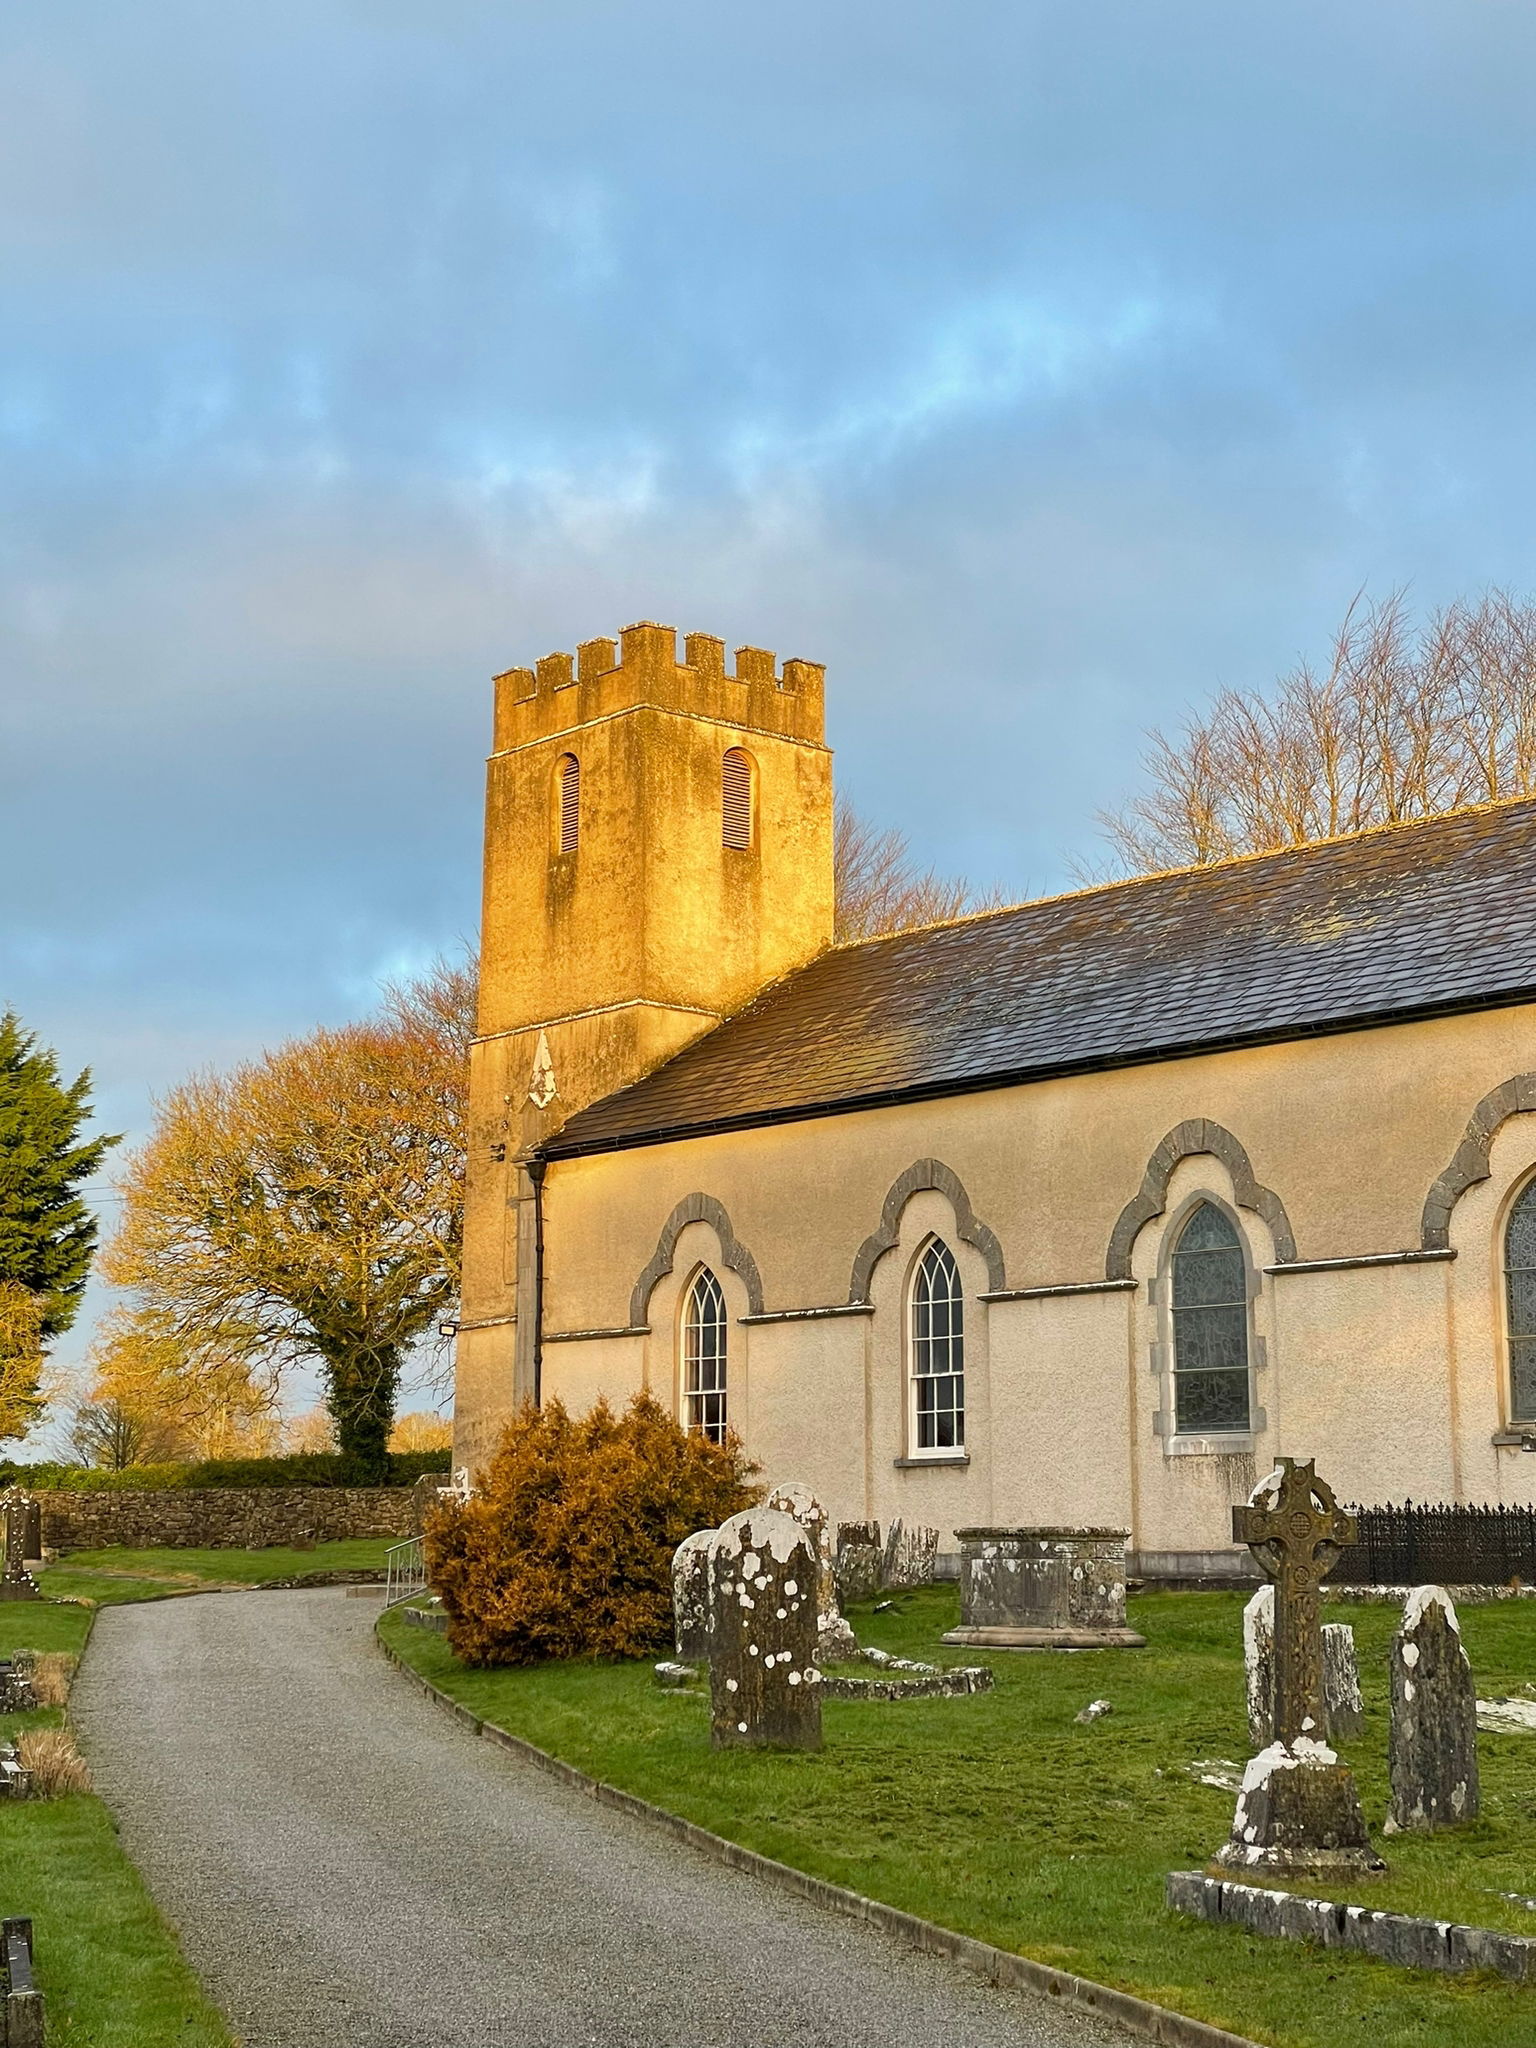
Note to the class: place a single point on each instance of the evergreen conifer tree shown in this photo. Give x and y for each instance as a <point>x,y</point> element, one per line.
<point>47,1234</point>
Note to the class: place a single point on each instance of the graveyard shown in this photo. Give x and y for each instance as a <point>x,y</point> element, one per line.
<point>1004,1817</point>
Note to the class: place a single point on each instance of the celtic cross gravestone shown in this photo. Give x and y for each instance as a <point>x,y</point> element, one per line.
<point>1298,1809</point>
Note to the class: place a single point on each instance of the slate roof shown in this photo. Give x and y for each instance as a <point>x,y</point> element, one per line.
<point>1401,922</point>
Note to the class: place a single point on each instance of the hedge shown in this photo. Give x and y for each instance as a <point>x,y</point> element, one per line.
<point>303,1468</point>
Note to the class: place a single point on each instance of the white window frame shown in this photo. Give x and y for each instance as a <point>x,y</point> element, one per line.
<point>693,1399</point>
<point>917,1451</point>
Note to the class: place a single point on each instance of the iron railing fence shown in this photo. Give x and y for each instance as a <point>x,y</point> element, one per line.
<point>1417,1545</point>
<point>405,1568</point>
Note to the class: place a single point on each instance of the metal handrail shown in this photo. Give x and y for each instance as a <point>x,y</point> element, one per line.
<point>405,1568</point>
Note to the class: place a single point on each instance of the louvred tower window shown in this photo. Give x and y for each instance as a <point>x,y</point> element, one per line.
<point>736,799</point>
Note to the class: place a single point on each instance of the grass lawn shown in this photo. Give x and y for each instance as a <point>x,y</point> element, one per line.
<point>108,1964</point>
<point>116,1575</point>
<point>1001,1817</point>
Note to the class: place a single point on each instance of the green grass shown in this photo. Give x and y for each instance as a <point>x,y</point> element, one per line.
<point>1001,1817</point>
<point>113,1576</point>
<point>107,1963</point>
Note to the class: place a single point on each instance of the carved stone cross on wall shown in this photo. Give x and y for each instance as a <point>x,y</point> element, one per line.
<point>1296,1531</point>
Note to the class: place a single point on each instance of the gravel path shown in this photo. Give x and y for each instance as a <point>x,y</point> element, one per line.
<point>349,1869</point>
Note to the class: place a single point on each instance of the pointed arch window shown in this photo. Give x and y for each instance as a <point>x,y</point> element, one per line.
<point>568,786</point>
<point>1210,1326</point>
<point>938,1352</point>
<point>1520,1297</point>
<point>704,1356</point>
<point>736,799</point>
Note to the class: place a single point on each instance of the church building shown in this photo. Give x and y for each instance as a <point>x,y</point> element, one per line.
<point>1074,1213</point>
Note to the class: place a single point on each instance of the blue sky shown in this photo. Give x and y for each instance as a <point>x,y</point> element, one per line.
<point>1040,368</point>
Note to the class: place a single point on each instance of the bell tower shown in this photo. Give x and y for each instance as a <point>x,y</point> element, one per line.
<point>658,848</point>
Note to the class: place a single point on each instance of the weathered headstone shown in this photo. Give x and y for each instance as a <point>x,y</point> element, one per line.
<point>765,1689</point>
<point>910,1554</point>
<point>690,1596</point>
<point>1434,1719</point>
<point>860,1560</point>
<point>1298,1809</point>
<point>835,1641</point>
<point>16,1582</point>
<point>1043,1589</point>
<point>1343,1709</point>
<point>1259,1666</point>
<point>430,1489</point>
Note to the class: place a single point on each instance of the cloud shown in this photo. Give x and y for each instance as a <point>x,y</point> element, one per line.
<point>1039,368</point>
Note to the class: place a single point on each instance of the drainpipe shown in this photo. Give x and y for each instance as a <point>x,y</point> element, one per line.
<point>537,1166</point>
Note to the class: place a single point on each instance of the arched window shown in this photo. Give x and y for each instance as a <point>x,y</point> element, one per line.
<point>704,1328</point>
<point>1210,1326</point>
<point>568,788</point>
<point>736,799</point>
<point>1520,1285</point>
<point>938,1352</point>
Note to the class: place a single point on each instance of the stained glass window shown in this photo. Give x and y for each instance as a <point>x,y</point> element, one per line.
<point>704,1328</point>
<point>1210,1326</point>
<point>1520,1282</point>
<point>938,1352</point>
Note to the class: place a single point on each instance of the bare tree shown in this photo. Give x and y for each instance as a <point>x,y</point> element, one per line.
<point>880,888</point>
<point>113,1435</point>
<point>1404,722</point>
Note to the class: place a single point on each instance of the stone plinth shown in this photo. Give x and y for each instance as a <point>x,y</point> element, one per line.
<point>1043,1589</point>
<point>690,1596</point>
<point>765,1689</point>
<point>1299,1813</point>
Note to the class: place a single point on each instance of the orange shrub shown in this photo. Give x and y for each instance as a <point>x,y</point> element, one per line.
<point>566,1548</point>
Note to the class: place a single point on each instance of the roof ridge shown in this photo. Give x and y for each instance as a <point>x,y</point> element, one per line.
<point>1300,850</point>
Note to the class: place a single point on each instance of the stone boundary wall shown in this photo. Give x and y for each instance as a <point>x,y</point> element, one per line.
<point>1398,1938</point>
<point>224,1517</point>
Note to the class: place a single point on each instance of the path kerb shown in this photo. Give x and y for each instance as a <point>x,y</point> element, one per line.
<point>998,1966</point>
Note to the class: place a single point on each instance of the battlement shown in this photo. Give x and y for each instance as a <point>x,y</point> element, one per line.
<point>641,669</point>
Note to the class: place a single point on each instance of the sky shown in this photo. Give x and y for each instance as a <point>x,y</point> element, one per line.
<point>1040,368</point>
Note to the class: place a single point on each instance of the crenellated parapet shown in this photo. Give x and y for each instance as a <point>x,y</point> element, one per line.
<point>641,669</point>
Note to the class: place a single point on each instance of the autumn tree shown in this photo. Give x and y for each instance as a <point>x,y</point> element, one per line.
<point>47,1234</point>
<point>880,888</point>
<point>180,1394</point>
<point>312,1201</point>
<point>1404,720</point>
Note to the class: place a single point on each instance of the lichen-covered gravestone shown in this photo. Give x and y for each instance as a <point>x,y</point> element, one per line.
<point>910,1554</point>
<point>16,1582</point>
<point>835,1641</point>
<point>860,1560</point>
<point>1434,1719</point>
<point>765,1689</point>
<point>1343,1709</point>
<point>690,1596</point>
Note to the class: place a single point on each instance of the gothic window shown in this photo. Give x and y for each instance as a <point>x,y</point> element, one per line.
<point>569,785</point>
<point>938,1352</point>
<point>1210,1326</point>
<point>704,1326</point>
<point>1520,1284</point>
<point>736,799</point>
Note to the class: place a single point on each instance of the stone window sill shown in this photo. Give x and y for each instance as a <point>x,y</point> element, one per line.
<point>933,1458</point>
<point>1208,1446</point>
<point>1517,1437</point>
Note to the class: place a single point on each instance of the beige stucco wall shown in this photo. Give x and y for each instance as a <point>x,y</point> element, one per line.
<point>1391,1376</point>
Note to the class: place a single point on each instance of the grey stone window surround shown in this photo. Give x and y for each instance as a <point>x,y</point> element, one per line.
<point>922,1461</point>
<point>924,1176</point>
<point>733,1254</point>
<point>1195,1135</point>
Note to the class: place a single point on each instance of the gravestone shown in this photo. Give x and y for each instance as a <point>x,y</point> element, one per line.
<point>910,1554</point>
<point>1433,1750</point>
<point>690,1596</point>
<point>835,1642</point>
<point>765,1689</point>
<point>1298,1809</point>
<point>430,1490</point>
<point>1343,1709</point>
<point>860,1560</point>
<point>16,1582</point>
<point>1043,1589</point>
